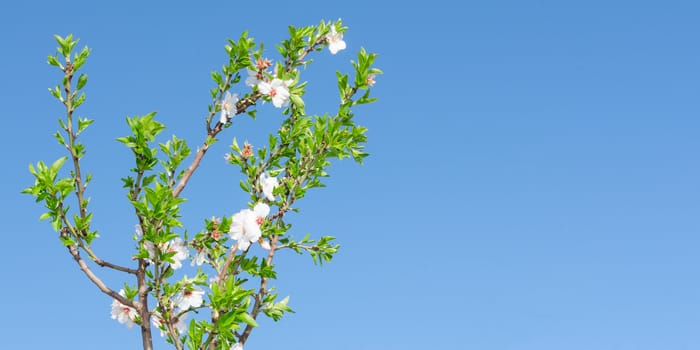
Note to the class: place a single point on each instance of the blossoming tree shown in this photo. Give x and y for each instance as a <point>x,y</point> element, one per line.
<point>219,306</point>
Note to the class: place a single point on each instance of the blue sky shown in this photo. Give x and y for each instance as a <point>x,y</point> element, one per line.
<point>533,184</point>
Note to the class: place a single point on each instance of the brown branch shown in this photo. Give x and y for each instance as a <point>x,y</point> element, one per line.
<point>104,263</point>
<point>242,106</point>
<point>146,336</point>
<point>173,333</point>
<point>261,292</point>
<point>98,282</point>
<point>229,259</point>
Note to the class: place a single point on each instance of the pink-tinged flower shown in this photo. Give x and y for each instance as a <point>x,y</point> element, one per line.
<point>176,245</point>
<point>262,63</point>
<point>245,226</point>
<point>181,252</point>
<point>335,41</point>
<point>122,313</point>
<point>278,90</point>
<point>191,297</point>
<point>268,184</point>
<point>237,346</point>
<point>180,325</point>
<point>370,80</point>
<point>228,107</point>
<point>247,150</point>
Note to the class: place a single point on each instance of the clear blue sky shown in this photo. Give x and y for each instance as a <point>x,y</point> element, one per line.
<point>534,179</point>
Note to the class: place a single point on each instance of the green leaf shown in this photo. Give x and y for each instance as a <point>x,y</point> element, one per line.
<point>53,60</point>
<point>297,101</point>
<point>82,80</point>
<point>247,319</point>
<point>83,123</point>
<point>57,165</point>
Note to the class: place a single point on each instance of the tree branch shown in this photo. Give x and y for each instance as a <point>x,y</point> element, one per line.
<point>242,106</point>
<point>261,292</point>
<point>98,282</point>
<point>104,263</point>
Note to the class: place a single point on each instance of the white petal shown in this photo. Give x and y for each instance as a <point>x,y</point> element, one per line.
<point>261,210</point>
<point>264,87</point>
<point>243,245</point>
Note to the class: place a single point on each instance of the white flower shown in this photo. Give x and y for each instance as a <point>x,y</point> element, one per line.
<point>278,91</point>
<point>228,107</point>
<point>139,231</point>
<point>335,41</point>
<point>264,243</point>
<point>245,227</point>
<point>191,297</point>
<point>252,78</point>
<point>200,258</point>
<point>122,313</point>
<point>176,245</point>
<point>237,346</point>
<point>180,325</point>
<point>181,252</point>
<point>268,185</point>
<point>158,323</point>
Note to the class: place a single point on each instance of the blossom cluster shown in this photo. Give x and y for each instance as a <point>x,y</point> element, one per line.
<point>245,225</point>
<point>122,313</point>
<point>276,89</point>
<point>190,297</point>
<point>176,246</point>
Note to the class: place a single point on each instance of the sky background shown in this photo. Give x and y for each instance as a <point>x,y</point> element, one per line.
<point>533,184</point>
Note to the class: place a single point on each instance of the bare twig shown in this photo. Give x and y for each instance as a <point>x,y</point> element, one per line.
<point>97,281</point>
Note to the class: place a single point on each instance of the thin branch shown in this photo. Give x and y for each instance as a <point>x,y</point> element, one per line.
<point>261,292</point>
<point>104,263</point>
<point>98,282</point>
<point>242,106</point>
<point>229,259</point>
<point>173,333</point>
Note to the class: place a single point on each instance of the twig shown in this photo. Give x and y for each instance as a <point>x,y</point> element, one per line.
<point>261,292</point>
<point>98,282</point>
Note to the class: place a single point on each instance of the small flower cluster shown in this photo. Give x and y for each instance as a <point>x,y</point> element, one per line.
<point>277,89</point>
<point>122,313</point>
<point>190,297</point>
<point>176,245</point>
<point>179,324</point>
<point>245,226</point>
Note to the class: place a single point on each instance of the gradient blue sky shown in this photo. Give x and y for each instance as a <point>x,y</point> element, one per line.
<point>534,179</point>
